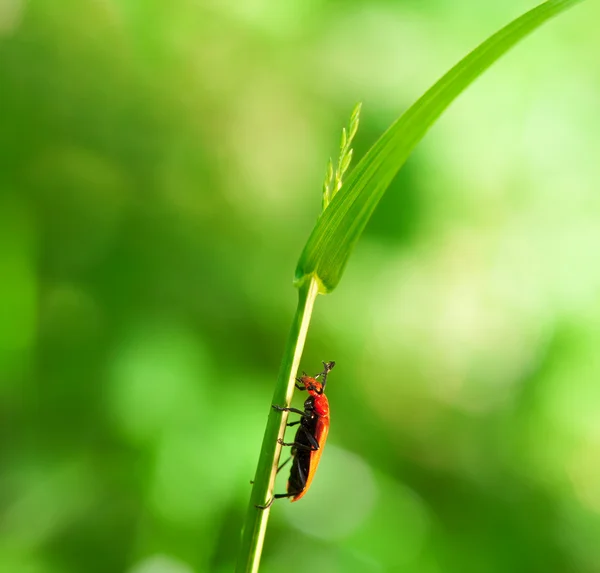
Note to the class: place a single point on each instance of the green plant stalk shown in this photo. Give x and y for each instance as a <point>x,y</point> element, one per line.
<point>339,227</point>
<point>255,525</point>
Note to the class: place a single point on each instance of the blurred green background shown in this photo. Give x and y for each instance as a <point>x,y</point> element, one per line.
<point>160,170</point>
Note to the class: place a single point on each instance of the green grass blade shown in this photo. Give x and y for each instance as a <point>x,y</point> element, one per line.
<point>341,224</point>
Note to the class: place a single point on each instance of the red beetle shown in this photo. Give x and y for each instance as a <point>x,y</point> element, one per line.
<point>308,444</point>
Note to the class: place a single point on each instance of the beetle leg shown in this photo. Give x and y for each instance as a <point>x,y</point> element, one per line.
<point>283,464</point>
<point>293,410</point>
<point>277,496</point>
<point>281,495</point>
<point>267,505</point>
<point>311,439</point>
<point>314,445</point>
<point>302,476</point>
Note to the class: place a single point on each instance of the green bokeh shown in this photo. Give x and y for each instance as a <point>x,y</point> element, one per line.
<point>160,170</point>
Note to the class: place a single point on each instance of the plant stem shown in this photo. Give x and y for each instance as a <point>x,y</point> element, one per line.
<point>255,525</point>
